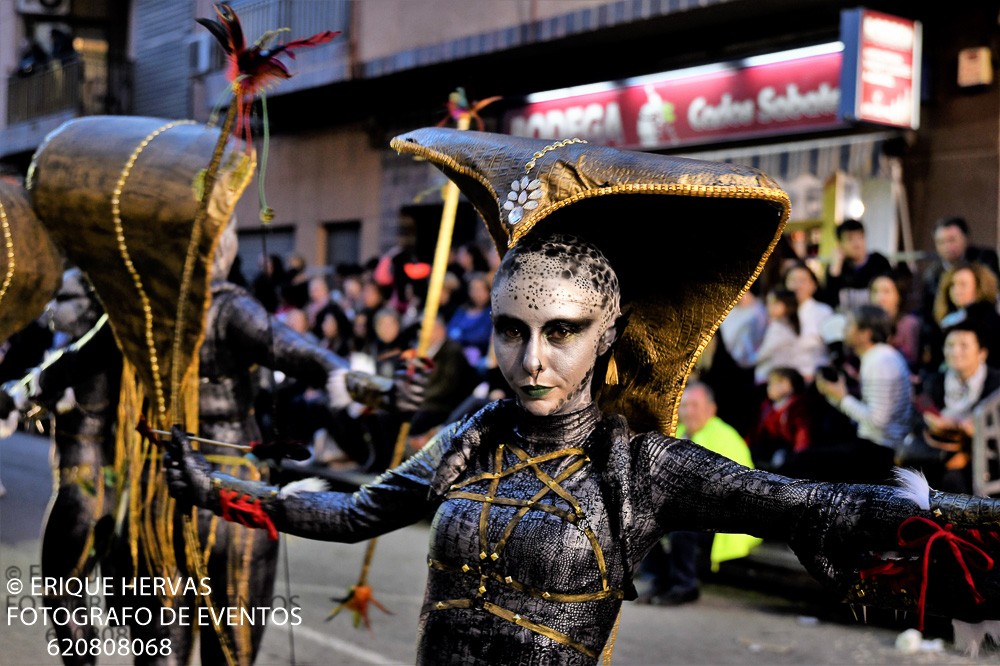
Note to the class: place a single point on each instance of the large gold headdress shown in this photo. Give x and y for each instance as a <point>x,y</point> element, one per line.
<point>119,195</point>
<point>686,237</point>
<point>30,265</point>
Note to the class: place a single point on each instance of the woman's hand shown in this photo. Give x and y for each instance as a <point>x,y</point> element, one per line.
<point>188,473</point>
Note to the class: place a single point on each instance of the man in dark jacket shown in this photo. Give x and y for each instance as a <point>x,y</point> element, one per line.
<point>951,242</point>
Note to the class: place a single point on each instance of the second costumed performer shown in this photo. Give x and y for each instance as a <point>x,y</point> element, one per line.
<point>544,505</point>
<point>116,194</point>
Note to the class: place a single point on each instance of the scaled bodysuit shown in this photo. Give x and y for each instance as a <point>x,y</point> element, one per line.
<point>88,486</point>
<point>240,335</point>
<point>539,522</point>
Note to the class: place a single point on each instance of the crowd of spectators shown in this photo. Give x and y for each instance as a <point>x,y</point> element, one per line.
<point>370,314</point>
<point>832,368</point>
<point>839,367</point>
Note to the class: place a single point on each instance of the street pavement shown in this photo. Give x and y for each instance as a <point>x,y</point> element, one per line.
<point>755,614</point>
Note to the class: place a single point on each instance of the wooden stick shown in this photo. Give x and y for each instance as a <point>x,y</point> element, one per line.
<point>431,303</point>
<point>241,447</point>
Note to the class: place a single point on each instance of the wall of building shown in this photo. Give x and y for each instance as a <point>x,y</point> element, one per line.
<point>389,26</point>
<point>315,178</point>
<point>160,39</point>
<point>10,33</point>
<point>952,167</point>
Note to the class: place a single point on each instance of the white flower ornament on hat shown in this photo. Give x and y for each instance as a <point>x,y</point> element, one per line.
<point>525,192</point>
<point>524,195</point>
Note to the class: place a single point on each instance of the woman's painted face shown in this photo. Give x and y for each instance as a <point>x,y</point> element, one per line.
<point>550,323</point>
<point>963,288</point>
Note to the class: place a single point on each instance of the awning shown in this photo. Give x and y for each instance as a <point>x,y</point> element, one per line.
<point>803,168</point>
<point>859,155</point>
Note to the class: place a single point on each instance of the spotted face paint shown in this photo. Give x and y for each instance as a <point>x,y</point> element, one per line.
<point>554,305</point>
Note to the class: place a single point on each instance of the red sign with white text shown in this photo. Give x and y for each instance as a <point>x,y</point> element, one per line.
<point>883,58</point>
<point>730,102</point>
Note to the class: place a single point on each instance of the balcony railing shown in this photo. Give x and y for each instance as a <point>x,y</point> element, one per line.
<point>82,86</point>
<point>301,17</point>
<point>312,68</point>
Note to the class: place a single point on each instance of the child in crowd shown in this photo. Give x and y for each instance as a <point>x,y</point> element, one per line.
<point>780,345</point>
<point>784,425</point>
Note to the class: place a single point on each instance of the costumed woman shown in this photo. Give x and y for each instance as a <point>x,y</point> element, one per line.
<point>116,193</point>
<point>239,336</point>
<point>544,505</point>
<point>79,387</point>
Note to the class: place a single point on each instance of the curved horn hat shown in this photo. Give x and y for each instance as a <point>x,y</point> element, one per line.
<point>117,194</point>
<point>30,265</point>
<point>686,237</point>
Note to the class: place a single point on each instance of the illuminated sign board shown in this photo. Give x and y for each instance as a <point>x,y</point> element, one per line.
<point>781,93</point>
<point>881,75</point>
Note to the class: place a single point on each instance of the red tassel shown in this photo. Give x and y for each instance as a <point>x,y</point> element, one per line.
<point>964,552</point>
<point>237,508</point>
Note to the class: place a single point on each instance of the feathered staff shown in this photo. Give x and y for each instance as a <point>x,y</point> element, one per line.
<point>359,595</point>
<point>251,71</point>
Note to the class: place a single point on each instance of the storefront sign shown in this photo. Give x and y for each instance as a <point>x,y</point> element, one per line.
<point>781,94</point>
<point>881,77</point>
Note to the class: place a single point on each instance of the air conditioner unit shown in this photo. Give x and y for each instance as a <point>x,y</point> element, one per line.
<point>44,7</point>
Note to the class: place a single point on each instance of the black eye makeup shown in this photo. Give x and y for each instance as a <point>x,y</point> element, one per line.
<point>509,328</point>
<point>562,329</point>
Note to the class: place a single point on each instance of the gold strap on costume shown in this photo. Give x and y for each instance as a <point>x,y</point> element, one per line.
<point>550,485</point>
<point>513,469</point>
<point>488,499</point>
<point>569,516</point>
<point>517,619</point>
<point>555,597</point>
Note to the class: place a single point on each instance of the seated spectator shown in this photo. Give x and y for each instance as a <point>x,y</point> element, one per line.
<point>266,285</point>
<point>333,329</point>
<point>297,320</point>
<point>294,291</point>
<point>319,297</point>
<point>800,280</point>
<point>952,246</point>
<point>388,344</point>
<point>782,343</point>
<point>882,413</point>
<point>466,259</point>
<point>968,291</point>
<point>884,291</point>
<point>471,325</point>
<point>492,387</point>
<point>451,381</point>
<point>947,401</point>
<point>347,291</point>
<point>730,372</point>
<point>784,425</point>
<point>852,267</point>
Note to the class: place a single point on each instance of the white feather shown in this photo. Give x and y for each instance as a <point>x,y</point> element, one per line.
<point>312,484</point>
<point>914,486</point>
<point>969,637</point>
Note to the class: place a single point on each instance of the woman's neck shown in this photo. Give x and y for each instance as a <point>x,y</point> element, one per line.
<point>564,430</point>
